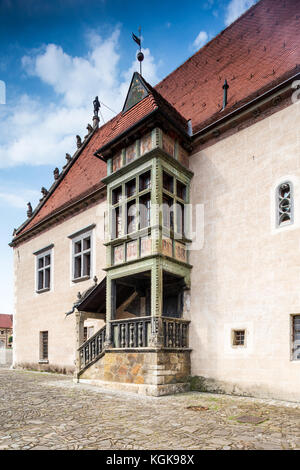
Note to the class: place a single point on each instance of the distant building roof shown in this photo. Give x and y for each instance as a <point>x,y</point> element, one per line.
<point>6,321</point>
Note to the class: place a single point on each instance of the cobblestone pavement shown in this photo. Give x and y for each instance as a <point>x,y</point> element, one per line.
<point>47,411</point>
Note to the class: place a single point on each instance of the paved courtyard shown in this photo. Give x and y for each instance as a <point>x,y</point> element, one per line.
<point>45,411</point>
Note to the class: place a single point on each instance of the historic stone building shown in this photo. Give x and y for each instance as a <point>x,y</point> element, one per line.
<point>178,223</point>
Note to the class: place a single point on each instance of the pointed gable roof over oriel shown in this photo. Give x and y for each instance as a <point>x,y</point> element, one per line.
<point>138,90</point>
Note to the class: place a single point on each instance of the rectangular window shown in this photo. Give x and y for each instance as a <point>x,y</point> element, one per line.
<point>181,190</point>
<point>82,255</point>
<point>44,345</point>
<point>168,214</point>
<point>43,271</point>
<point>117,195</point>
<point>131,217</point>
<point>145,181</point>
<point>168,182</point>
<point>238,338</point>
<point>180,218</point>
<point>116,222</point>
<point>130,188</point>
<point>296,337</point>
<point>145,211</point>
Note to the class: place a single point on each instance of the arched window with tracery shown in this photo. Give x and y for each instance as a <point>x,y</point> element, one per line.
<point>284,203</point>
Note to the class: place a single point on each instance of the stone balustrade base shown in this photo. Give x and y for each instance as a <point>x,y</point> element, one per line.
<point>146,371</point>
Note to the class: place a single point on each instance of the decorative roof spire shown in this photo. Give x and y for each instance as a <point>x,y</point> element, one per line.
<point>140,56</point>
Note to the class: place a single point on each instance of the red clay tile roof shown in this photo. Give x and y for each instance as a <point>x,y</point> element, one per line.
<point>261,46</point>
<point>6,321</point>
<point>253,54</point>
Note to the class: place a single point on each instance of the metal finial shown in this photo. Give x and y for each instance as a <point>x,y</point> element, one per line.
<point>140,56</point>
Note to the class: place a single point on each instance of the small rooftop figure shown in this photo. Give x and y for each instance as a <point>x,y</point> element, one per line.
<point>96,106</point>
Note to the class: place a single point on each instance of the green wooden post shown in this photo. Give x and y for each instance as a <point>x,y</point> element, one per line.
<point>156,339</point>
<point>110,309</point>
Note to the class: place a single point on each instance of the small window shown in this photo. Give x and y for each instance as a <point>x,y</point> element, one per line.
<point>180,218</point>
<point>181,190</point>
<point>168,212</point>
<point>296,337</point>
<point>145,211</point>
<point>44,345</point>
<point>116,222</point>
<point>82,256</point>
<point>168,182</point>
<point>145,181</point>
<point>117,195</point>
<point>238,338</point>
<point>43,271</point>
<point>284,204</point>
<point>131,217</point>
<point>130,188</point>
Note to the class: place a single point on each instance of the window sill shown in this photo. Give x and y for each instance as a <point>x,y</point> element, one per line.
<point>43,361</point>
<point>80,279</point>
<point>41,291</point>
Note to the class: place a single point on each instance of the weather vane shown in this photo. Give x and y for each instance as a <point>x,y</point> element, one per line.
<point>140,55</point>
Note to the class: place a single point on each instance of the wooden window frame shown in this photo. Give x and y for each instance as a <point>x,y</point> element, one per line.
<point>81,254</point>
<point>42,269</point>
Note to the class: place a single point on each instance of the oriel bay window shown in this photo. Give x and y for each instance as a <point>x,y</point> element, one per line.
<point>135,205</point>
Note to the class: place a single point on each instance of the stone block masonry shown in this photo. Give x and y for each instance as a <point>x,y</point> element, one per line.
<point>150,372</point>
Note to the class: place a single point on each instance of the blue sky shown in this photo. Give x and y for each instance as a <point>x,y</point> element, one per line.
<point>55,57</point>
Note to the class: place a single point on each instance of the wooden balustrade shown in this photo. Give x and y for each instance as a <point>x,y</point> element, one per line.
<point>175,332</point>
<point>136,332</point>
<point>131,333</point>
<point>92,348</point>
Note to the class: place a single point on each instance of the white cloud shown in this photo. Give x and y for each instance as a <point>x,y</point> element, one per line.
<point>19,201</point>
<point>35,132</point>
<point>236,8</point>
<point>200,40</point>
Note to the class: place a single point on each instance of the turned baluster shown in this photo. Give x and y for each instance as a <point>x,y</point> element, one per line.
<point>170,334</point>
<point>123,335</point>
<point>140,334</point>
<point>131,329</point>
<point>177,331</point>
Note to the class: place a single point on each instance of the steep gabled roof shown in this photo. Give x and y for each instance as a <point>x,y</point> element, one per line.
<point>254,53</point>
<point>85,172</point>
<point>6,321</point>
